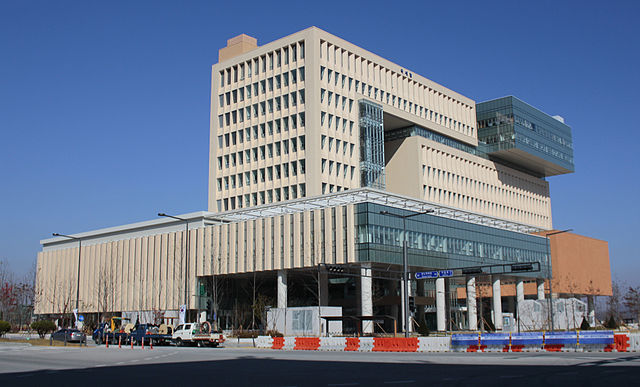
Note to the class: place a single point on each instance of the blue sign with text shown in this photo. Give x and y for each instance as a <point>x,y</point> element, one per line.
<point>434,274</point>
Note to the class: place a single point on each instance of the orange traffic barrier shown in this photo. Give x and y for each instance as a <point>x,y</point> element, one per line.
<point>353,344</point>
<point>278,343</point>
<point>392,344</point>
<point>307,343</point>
<point>107,342</point>
<point>119,341</point>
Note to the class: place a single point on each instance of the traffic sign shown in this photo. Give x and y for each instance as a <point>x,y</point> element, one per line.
<point>434,274</point>
<point>80,318</point>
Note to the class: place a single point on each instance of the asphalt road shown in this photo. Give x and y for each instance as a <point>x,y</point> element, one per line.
<point>23,365</point>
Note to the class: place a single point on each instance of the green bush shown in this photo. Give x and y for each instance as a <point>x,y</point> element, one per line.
<point>4,327</point>
<point>585,325</point>
<point>611,323</point>
<point>43,327</point>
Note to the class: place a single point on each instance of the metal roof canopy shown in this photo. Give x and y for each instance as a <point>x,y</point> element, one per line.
<point>370,195</point>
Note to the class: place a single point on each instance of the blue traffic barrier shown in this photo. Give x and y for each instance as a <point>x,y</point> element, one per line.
<point>596,337</point>
<point>494,339</point>
<point>560,338</point>
<point>529,339</point>
<point>464,339</point>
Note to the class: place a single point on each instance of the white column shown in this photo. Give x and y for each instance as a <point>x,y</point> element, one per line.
<point>471,304</point>
<point>282,289</point>
<point>497,304</point>
<point>440,305</point>
<point>591,307</point>
<point>366,297</point>
<point>519,296</point>
<point>540,289</point>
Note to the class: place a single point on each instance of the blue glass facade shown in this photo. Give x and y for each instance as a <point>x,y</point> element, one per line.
<point>441,243</point>
<point>513,130</point>
<point>371,145</point>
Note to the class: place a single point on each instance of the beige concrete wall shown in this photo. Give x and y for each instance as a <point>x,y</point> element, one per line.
<point>274,122</point>
<point>147,273</point>
<point>431,171</point>
<point>337,75</point>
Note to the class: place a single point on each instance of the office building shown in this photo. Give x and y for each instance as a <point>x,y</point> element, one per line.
<point>316,146</point>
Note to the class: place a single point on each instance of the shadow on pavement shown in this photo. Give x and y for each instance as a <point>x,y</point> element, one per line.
<point>250,371</point>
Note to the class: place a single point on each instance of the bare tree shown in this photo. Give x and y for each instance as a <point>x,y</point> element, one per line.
<point>105,292</point>
<point>632,301</point>
<point>615,301</point>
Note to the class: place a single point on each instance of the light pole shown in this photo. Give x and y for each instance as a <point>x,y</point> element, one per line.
<point>405,264</point>
<point>186,269</point>
<point>78,276</point>
<point>549,275</point>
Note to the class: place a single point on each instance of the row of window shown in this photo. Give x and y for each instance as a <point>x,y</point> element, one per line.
<point>262,197</point>
<point>337,101</point>
<point>262,175</point>
<point>348,83</point>
<point>341,170</point>
<point>262,152</point>
<point>459,200</point>
<point>330,188</point>
<point>432,156</point>
<point>510,119</point>
<point>261,87</point>
<point>336,124</point>
<point>345,145</point>
<point>279,57</point>
<point>390,236</point>
<point>482,188</point>
<point>237,116</point>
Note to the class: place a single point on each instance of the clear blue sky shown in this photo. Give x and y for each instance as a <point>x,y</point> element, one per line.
<point>104,107</point>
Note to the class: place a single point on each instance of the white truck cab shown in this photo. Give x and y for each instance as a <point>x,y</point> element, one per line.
<point>195,333</point>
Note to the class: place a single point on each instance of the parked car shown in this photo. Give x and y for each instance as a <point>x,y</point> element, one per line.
<point>71,335</point>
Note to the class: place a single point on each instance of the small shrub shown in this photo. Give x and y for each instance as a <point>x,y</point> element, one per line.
<point>274,333</point>
<point>585,325</point>
<point>43,327</point>
<point>611,323</point>
<point>4,327</point>
<point>423,330</point>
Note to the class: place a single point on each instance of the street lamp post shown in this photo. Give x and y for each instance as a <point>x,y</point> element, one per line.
<point>186,269</point>
<point>549,275</point>
<point>405,264</point>
<point>78,276</point>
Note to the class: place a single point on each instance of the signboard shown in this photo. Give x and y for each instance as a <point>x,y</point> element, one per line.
<point>182,314</point>
<point>81,318</point>
<point>434,274</point>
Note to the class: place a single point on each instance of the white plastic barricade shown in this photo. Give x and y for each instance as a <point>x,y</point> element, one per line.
<point>289,343</point>
<point>366,344</point>
<point>634,342</point>
<point>264,342</point>
<point>433,344</point>
<point>332,343</point>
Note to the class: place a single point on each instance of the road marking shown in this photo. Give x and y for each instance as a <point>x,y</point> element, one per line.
<point>100,365</point>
